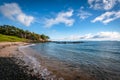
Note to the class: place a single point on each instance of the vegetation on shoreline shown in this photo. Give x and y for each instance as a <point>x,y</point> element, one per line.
<point>6,38</point>
<point>16,34</point>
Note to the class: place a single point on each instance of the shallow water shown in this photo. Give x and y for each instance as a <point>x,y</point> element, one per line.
<point>98,60</point>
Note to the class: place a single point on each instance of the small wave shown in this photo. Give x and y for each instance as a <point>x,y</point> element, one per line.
<point>36,66</point>
<point>27,46</point>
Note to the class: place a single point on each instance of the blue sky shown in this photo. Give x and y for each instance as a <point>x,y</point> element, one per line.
<point>64,19</point>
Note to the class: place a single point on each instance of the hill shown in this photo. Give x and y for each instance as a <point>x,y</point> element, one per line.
<point>16,34</point>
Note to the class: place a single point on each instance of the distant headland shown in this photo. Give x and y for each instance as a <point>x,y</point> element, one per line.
<point>67,42</point>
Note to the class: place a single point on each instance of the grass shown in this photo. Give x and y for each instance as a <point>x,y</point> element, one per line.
<point>6,38</point>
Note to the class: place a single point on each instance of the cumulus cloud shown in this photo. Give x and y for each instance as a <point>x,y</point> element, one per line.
<point>107,17</point>
<point>62,17</point>
<point>14,12</point>
<point>102,4</point>
<point>83,14</point>
<point>98,36</point>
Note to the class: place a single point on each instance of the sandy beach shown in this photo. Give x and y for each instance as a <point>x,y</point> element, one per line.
<point>11,66</point>
<point>7,49</point>
<point>15,64</point>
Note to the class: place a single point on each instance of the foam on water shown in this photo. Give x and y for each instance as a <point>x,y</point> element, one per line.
<point>35,65</point>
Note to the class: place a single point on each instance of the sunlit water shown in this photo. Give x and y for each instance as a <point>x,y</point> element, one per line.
<point>100,58</point>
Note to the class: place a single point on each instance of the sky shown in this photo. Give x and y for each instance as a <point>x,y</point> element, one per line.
<point>64,19</point>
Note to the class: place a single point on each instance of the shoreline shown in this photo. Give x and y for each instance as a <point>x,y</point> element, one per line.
<point>19,59</point>
<point>12,65</point>
<point>7,49</point>
<point>58,70</point>
<point>27,61</point>
<point>68,70</point>
<point>35,62</point>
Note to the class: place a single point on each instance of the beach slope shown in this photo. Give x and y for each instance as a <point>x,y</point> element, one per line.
<point>11,67</point>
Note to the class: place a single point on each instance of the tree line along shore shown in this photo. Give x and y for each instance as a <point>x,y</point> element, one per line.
<point>14,34</point>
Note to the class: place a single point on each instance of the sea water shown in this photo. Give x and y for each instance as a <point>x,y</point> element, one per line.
<point>100,60</point>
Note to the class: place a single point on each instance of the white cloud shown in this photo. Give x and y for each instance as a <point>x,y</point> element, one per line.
<point>102,4</point>
<point>98,36</point>
<point>102,36</point>
<point>13,12</point>
<point>83,14</point>
<point>107,17</point>
<point>62,17</point>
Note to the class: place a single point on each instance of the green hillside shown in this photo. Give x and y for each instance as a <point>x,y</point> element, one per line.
<point>16,34</point>
<point>5,38</point>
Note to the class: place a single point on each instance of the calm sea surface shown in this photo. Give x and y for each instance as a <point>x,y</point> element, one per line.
<point>100,59</point>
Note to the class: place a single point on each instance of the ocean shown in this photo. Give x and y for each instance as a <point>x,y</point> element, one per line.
<point>91,60</point>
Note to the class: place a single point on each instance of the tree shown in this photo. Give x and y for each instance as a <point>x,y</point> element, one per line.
<point>14,31</point>
<point>44,37</point>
